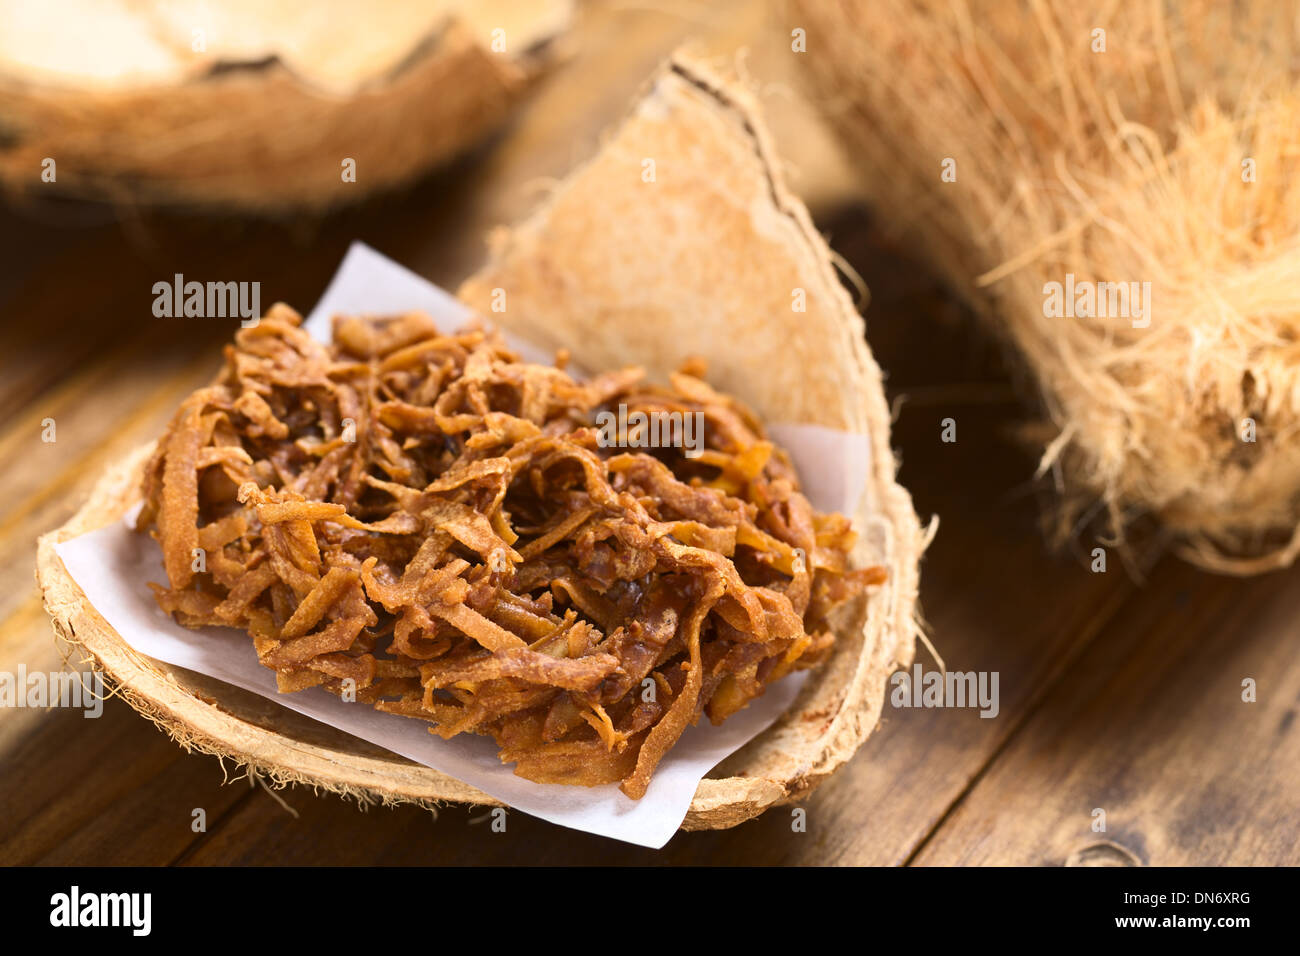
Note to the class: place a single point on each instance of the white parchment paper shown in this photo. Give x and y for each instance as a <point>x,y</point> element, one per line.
<point>113,565</point>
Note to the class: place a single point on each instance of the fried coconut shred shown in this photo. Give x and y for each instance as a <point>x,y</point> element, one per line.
<point>428,524</point>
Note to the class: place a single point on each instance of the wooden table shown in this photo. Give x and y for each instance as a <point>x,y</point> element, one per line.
<point>1115,694</point>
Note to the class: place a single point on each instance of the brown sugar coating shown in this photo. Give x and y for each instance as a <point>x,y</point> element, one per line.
<point>426,523</point>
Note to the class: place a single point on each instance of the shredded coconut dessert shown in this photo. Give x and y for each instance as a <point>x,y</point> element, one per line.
<point>425,523</point>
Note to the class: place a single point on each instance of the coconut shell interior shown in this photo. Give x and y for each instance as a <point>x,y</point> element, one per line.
<point>702,261</point>
<point>257,103</point>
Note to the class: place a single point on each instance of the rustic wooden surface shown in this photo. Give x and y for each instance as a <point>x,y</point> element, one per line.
<point>1115,694</point>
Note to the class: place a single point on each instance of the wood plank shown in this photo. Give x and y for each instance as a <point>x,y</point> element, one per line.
<point>106,791</point>
<point>1150,727</point>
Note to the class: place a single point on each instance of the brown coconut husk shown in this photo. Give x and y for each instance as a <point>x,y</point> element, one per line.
<point>701,262</point>
<point>264,116</point>
<point>1116,166</point>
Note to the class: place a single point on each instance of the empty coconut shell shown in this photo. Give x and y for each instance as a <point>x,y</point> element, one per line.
<point>261,105</point>
<point>701,259</point>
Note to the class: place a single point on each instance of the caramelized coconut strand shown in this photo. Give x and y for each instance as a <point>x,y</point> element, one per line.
<point>433,525</point>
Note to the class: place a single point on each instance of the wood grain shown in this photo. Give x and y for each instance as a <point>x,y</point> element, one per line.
<point>1151,727</point>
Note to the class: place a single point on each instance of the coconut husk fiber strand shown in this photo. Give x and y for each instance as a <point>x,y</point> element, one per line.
<point>257,103</point>
<point>1169,157</point>
<point>619,270</point>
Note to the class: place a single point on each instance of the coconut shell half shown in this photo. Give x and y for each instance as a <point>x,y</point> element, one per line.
<point>620,270</point>
<point>258,103</point>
